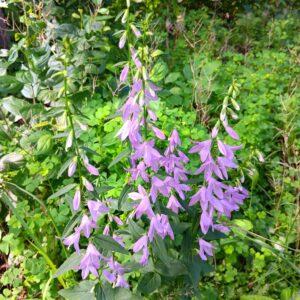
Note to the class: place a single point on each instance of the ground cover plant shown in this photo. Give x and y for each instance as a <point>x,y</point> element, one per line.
<point>149,149</point>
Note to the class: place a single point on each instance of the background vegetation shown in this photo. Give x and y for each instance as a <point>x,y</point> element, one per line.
<point>53,47</point>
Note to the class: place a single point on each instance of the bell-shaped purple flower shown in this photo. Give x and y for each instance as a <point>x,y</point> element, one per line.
<point>205,249</point>
<point>91,169</point>
<point>231,132</point>
<point>90,263</point>
<point>72,167</point>
<point>86,226</point>
<point>124,73</point>
<point>73,239</point>
<point>76,199</point>
<point>97,208</point>
<point>203,148</point>
<point>144,207</point>
<point>141,243</point>
<point>160,225</point>
<point>158,133</point>
<point>87,184</point>
<point>174,205</point>
<point>139,171</point>
<point>136,32</point>
<point>149,154</point>
<point>110,277</point>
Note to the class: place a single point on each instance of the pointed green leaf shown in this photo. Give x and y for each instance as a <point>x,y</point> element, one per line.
<point>106,242</point>
<point>69,264</point>
<point>62,191</point>
<point>120,156</point>
<point>82,291</point>
<point>149,283</point>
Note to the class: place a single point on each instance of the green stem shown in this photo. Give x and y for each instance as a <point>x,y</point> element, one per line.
<point>35,242</point>
<point>69,115</point>
<point>44,207</point>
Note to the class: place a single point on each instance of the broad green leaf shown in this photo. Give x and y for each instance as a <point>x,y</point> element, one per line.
<point>214,235</point>
<point>149,283</point>
<point>44,144</point>
<point>172,77</point>
<point>89,150</point>
<point>14,106</point>
<point>83,291</point>
<point>126,189</point>
<point>135,230</point>
<point>157,53</point>
<point>71,224</point>
<point>40,59</point>
<point>103,189</point>
<point>69,264</point>
<point>173,269</point>
<point>62,191</point>
<point>197,268</point>
<point>30,91</point>
<point>106,242</point>
<point>180,227</point>
<point>64,167</point>
<point>106,292</point>
<point>160,250</point>
<point>9,85</point>
<point>159,71</point>
<point>11,160</point>
<point>187,72</point>
<point>176,90</point>
<point>120,156</point>
<point>244,224</point>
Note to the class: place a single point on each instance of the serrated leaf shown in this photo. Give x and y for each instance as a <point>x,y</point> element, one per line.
<point>106,292</point>
<point>44,144</point>
<point>120,156</point>
<point>62,191</point>
<point>103,189</point>
<point>156,53</point>
<point>82,291</point>
<point>126,189</point>
<point>9,85</point>
<point>159,71</point>
<point>197,268</point>
<point>71,224</point>
<point>243,223</point>
<point>64,167</point>
<point>172,77</point>
<point>14,106</point>
<point>69,264</point>
<point>135,230</point>
<point>214,235</point>
<point>149,283</point>
<point>173,269</point>
<point>160,250</point>
<point>106,242</point>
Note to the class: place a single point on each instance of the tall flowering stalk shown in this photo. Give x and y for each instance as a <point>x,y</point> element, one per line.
<point>82,170</point>
<point>215,197</point>
<point>146,160</point>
